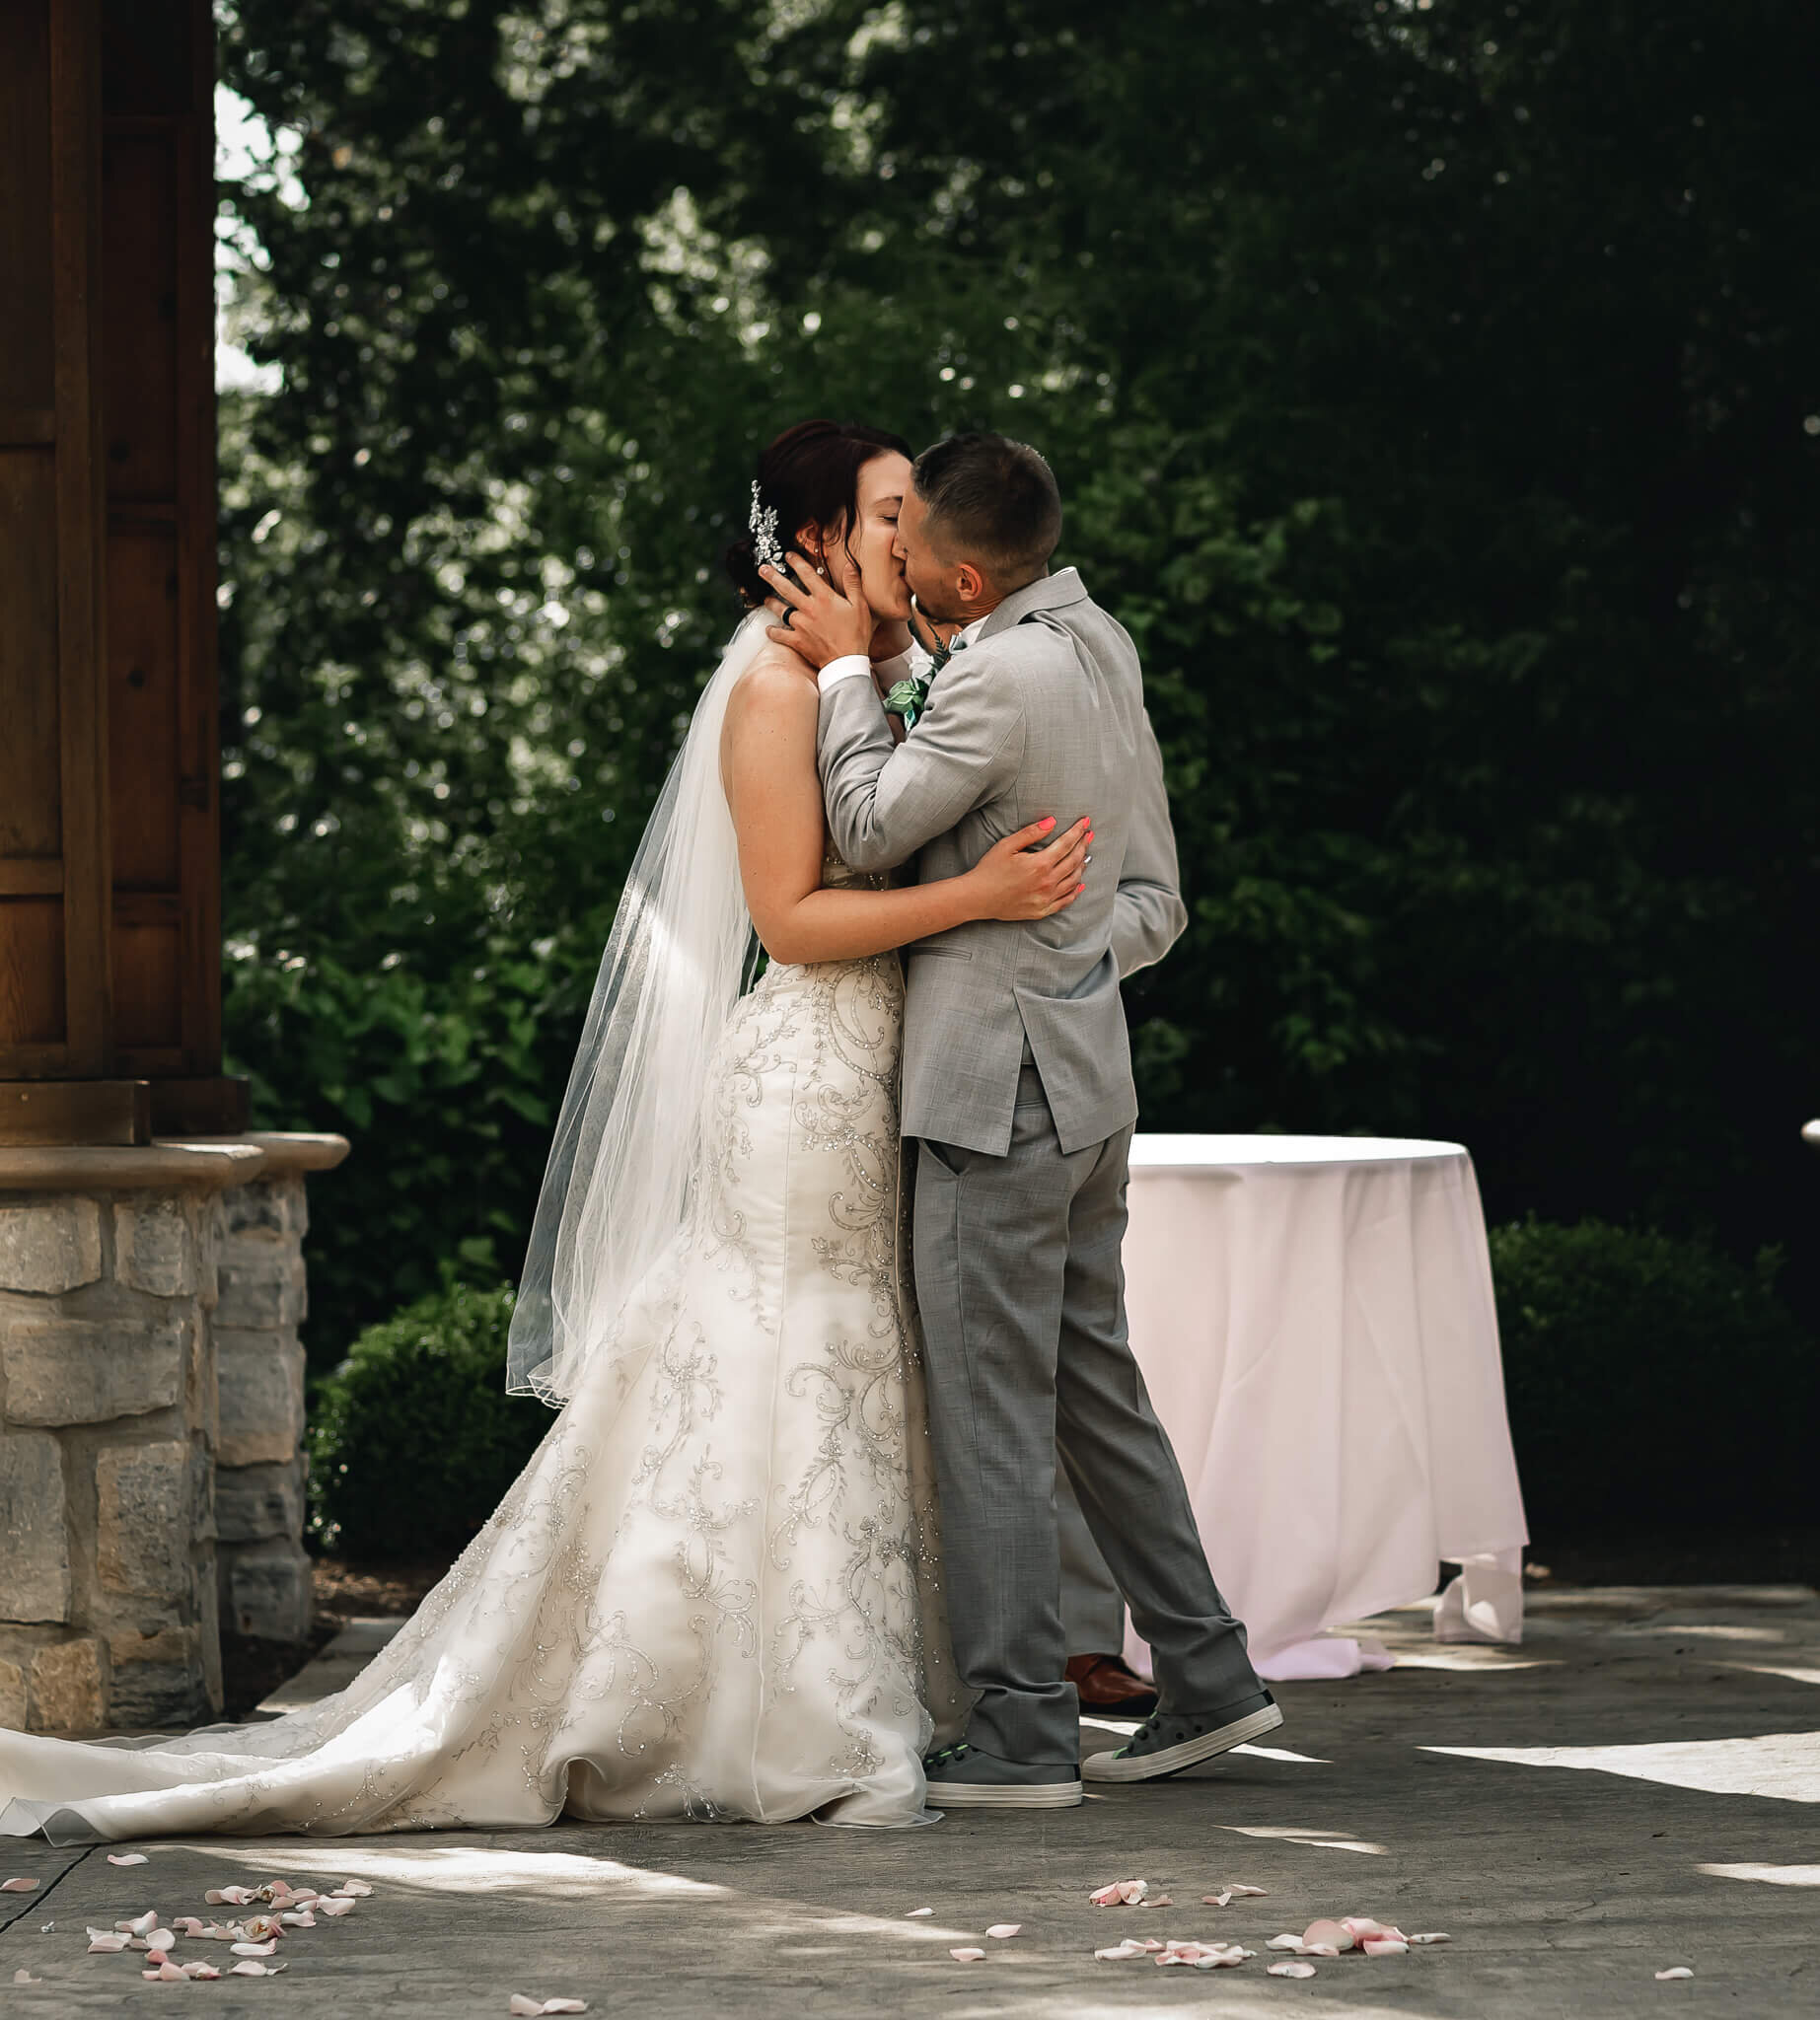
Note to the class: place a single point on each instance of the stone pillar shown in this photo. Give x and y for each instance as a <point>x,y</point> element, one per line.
<point>264,1575</point>
<point>149,1299</point>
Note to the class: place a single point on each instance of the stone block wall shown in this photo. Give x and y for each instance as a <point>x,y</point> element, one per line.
<point>151,1422</point>
<point>107,1427</point>
<point>264,1573</point>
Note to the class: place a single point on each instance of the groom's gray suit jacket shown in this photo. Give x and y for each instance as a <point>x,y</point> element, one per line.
<point>1044,714</point>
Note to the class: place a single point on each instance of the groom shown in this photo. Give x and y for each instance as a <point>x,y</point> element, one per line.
<point>1017,1078</point>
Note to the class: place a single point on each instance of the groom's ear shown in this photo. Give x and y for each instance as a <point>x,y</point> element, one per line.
<point>969,582</point>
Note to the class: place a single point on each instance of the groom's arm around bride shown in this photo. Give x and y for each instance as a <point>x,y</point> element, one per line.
<point>1017,1078</point>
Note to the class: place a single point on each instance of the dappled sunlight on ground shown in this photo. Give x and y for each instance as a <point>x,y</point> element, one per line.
<point>1782,1765</point>
<point>1775,1876</point>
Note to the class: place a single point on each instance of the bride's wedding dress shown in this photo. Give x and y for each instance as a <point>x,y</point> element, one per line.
<point>712,1593</point>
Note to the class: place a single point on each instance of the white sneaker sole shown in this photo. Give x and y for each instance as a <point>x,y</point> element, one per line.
<point>1172,1759</point>
<point>1016,1796</point>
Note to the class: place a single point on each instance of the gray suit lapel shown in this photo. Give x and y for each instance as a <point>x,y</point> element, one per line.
<point>1046,593</point>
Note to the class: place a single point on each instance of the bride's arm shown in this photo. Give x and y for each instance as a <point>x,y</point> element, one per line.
<point>767,765</point>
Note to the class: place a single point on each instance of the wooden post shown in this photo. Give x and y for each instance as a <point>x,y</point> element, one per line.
<point>110,872</point>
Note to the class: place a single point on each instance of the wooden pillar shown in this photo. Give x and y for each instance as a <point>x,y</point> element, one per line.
<point>110,872</point>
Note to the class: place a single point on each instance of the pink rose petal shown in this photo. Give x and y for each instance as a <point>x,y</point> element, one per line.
<point>105,1940</point>
<point>354,1889</point>
<point>159,1939</point>
<point>522,2005</point>
<point>296,1919</point>
<point>324,1906</point>
<point>127,1858</point>
<point>1294,1967</point>
<point>1679,1971</point>
<point>915,1911</point>
<point>1161,1900</point>
<point>1239,1893</point>
<point>1434,1936</point>
<point>251,1967</point>
<point>156,1954</point>
<point>18,1886</point>
<point>229,1897</point>
<point>1218,1899</point>
<point>1384,1946</point>
<point>202,1969</point>
<point>966,1956</point>
<point>1005,1930</point>
<point>254,1949</point>
<point>1321,1932</point>
<point>1118,1953</point>
<point>1321,1949</point>
<point>166,1973</point>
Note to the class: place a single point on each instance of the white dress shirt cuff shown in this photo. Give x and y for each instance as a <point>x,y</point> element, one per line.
<point>845,669</point>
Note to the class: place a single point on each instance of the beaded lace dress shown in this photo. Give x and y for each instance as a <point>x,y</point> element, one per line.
<point>713,1592</point>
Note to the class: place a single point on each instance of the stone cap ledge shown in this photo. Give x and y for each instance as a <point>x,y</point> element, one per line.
<point>203,1164</point>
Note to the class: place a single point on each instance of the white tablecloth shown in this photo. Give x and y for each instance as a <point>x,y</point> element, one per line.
<point>1315,1322</point>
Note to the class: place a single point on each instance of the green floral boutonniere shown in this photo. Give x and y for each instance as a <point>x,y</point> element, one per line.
<point>908,699</point>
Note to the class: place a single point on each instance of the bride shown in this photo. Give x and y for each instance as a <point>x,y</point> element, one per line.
<point>713,1591</point>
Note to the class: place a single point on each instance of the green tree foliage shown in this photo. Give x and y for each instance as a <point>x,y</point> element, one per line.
<point>412,1439</point>
<point>1651,1382</point>
<point>1430,389</point>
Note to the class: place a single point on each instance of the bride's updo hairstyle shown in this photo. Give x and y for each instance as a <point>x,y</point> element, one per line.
<point>808,477</point>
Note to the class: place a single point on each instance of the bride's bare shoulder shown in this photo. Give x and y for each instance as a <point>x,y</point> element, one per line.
<point>778,681</point>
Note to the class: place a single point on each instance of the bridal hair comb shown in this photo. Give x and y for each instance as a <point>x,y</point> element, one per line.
<point>761,524</point>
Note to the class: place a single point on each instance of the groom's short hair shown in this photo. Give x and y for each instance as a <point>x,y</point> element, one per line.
<point>991,501</point>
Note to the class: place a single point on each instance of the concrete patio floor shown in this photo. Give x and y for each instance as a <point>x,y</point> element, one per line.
<point>1635,1787</point>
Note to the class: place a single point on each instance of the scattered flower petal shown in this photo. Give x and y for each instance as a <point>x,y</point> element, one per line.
<point>1003,1930</point>
<point>254,1949</point>
<point>201,1969</point>
<point>523,2005</point>
<point>1434,1936</point>
<point>1285,1943</point>
<point>230,1897</point>
<point>262,1929</point>
<point>1321,1933</point>
<point>1161,1900</point>
<point>915,1911</point>
<point>966,1956</point>
<point>18,1886</point>
<point>1218,1899</point>
<point>158,1939</point>
<point>324,1906</point>
<point>168,1973</point>
<point>251,1967</point>
<point>157,1954</point>
<point>296,1919</point>
<point>24,1976</point>
<point>1292,1968</point>
<point>1385,1947</point>
<point>127,1858</point>
<point>101,1940</point>
<point>1118,1953</point>
<point>1239,1893</point>
<point>354,1889</point>
<point>1679,1971</point>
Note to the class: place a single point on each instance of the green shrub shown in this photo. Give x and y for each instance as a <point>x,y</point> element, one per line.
<point>1651,1381</point>
<point>412,1439</point>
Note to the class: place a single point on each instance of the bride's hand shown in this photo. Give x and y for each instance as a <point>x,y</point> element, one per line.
<point>1018,880</point>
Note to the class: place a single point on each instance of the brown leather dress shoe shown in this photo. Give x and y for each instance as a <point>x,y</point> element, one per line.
<point>1106,1684</point>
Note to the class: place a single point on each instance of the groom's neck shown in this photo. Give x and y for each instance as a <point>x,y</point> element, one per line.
<point>989,598</point>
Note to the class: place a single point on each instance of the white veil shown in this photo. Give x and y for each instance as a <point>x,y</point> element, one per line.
<point>617,1188</point>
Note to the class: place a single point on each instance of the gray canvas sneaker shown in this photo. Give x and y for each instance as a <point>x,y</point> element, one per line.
<point>964,1778</point>
<point>1169,1741</point>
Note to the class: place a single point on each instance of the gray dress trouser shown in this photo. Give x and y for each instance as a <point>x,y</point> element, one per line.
<point>1092,1606</point>
<point>1022,1292</point>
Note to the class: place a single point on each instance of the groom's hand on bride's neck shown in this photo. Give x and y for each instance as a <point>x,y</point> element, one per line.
<point>817,619</point>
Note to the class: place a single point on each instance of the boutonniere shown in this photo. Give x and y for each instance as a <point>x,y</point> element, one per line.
<point>909,699</point>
